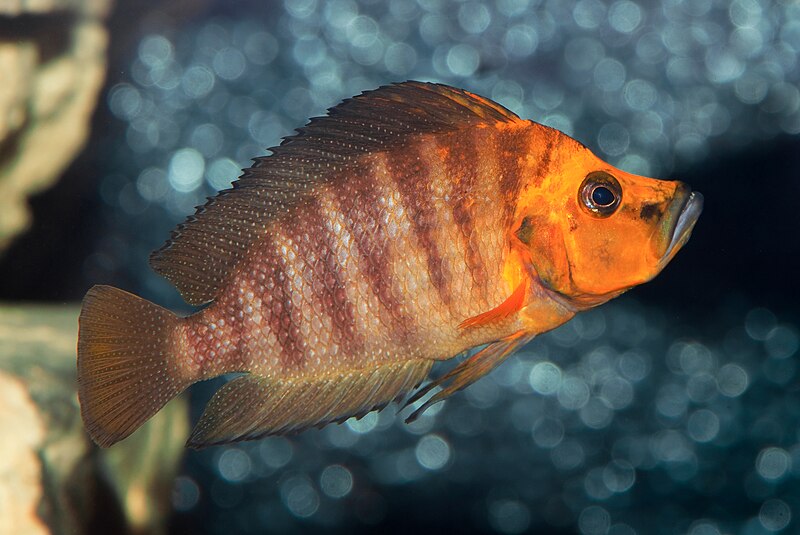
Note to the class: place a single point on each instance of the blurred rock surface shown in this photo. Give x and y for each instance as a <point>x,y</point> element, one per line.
<point>52,478</point>
<point>52,56</point>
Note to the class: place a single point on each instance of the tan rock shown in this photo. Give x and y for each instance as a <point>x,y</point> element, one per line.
<point>52,477</point>
<point>20,470</point>
<point>46,102</point>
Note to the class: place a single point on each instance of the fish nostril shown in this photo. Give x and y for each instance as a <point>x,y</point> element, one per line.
<point>650,211</point>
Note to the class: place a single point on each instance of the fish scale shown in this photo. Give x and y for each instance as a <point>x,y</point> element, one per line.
<point>411,224</point>
<point>306,235</point>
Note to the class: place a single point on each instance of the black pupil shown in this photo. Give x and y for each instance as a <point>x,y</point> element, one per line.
<point>602,196</point>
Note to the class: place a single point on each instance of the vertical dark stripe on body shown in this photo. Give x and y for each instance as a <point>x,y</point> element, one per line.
<point>461,167</point>
<point>360,205</point>
<point>277,306</point>
<point>237,333</point>
<point>516,145</point>
<point>328,279</point>
<point>411,173</point>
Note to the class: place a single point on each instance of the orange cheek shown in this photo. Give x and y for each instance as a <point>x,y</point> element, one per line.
<point>607,255</point>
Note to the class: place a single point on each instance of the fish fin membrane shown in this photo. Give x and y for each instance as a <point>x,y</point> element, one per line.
<point>125,374</point>
<point>512,304</point>
<point>202,252</point>
<point>468,371</point>
<point>253,406</point>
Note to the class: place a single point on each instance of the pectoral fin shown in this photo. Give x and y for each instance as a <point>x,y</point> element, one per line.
<point>469,371</point>
<point>503,310</point>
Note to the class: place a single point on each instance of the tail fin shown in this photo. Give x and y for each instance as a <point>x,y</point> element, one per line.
<point>126,365</point>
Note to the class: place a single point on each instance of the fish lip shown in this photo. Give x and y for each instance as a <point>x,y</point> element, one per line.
<point>689,212</point>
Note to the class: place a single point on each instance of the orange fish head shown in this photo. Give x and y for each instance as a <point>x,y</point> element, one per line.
<point>593,231</point>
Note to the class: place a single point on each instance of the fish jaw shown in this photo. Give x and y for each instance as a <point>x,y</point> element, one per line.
<point>685,211</point>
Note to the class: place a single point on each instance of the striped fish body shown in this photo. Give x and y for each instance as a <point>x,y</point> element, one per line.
<point>382,267</point>
<point>409,225</point>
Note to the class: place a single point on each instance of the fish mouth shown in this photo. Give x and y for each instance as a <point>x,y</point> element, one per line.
<point>688,211</point>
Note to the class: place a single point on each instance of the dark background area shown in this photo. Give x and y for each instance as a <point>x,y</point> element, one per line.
<point>744,254</point>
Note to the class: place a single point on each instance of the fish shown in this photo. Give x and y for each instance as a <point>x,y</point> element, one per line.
<point>411,224</point>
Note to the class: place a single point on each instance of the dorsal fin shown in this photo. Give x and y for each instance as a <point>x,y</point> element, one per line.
<point>208,245</point>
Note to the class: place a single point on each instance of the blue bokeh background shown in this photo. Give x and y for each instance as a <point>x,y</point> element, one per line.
<point>674,410</point>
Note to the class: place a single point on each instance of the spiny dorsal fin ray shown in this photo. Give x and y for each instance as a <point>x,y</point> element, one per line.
<point>254,406</point>
<point>202,251</point>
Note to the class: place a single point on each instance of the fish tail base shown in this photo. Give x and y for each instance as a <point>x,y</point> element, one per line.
<point>126,362</point>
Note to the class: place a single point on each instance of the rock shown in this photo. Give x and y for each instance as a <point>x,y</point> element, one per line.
<point>53,479</point>
<point>52,56</point>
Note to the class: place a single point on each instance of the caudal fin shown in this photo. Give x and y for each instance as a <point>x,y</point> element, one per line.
<point>126,364</point>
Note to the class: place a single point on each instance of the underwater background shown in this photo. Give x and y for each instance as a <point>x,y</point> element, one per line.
<point>673,409</point>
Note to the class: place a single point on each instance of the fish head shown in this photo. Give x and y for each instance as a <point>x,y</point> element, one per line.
<point>594,231</point>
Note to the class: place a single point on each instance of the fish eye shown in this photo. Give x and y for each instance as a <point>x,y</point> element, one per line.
<point>600,193</point>
<point>602,196</point>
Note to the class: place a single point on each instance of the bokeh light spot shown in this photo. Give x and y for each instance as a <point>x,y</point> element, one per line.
<point>432,452</point>
<point>573,393</point>
<point>185,494</point>
<point>703,425</point>
<point>185,172</point>
<point>299,496</point>
<point>364,424</point>
<point>773,463</point>
<point>509,516</point>
<point>234,465</point>
<point>594,520</point>
<point>545,378</point>
<point>775,515</point>
<point>624,16</point>
<point>609,74</point>
<point>463,60</point>
<point>336,481</point>
<point>547,432</point>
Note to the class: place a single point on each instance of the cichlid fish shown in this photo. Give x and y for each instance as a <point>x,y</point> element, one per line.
<point>410,224</point>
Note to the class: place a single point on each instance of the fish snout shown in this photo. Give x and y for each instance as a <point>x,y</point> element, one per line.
<point>682,215</point>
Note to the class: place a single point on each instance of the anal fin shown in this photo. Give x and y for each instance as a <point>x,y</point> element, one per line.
<point>254,406</point>
<point>469,371</point>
